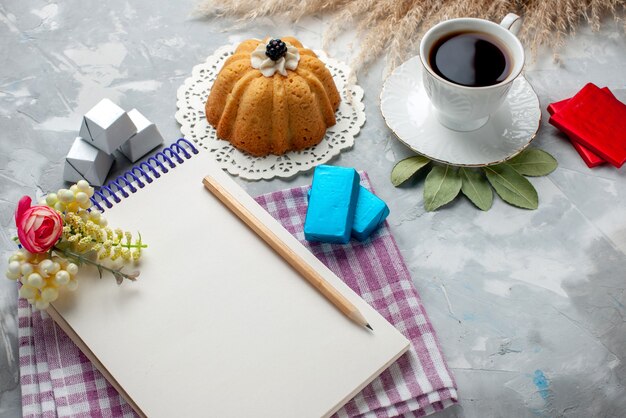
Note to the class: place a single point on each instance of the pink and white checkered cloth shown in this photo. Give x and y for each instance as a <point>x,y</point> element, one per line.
<point>59,381</point>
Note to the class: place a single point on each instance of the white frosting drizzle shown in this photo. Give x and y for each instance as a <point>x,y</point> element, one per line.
<point>268,67</point>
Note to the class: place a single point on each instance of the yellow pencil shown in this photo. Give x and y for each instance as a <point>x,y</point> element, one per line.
<point>301,266</point>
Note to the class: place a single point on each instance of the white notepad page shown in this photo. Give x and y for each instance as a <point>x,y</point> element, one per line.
<point>218,324</point>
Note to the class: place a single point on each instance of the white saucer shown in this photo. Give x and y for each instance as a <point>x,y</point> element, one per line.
<point>410,115</point>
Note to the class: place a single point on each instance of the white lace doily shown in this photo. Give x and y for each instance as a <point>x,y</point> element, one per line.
<point>193,94</point>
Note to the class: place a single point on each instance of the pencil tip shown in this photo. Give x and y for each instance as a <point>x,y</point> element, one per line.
<point>369,326</point>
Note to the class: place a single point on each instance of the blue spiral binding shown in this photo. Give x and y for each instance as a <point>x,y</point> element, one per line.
<point>148,170</point>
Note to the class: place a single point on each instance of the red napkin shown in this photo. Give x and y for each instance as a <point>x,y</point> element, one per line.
<point>597,121</point>
<point>591,159</point>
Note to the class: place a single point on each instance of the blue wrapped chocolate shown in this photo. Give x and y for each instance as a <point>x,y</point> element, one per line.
<point>371,211</point>
<point>332,203</point>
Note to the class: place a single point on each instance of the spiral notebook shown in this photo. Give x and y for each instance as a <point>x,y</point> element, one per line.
<point>217,323</point>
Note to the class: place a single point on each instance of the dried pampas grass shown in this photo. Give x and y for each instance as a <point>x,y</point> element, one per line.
<point>394,27</point>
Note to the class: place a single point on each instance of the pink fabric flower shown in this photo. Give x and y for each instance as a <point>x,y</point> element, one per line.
<point>38,227</point>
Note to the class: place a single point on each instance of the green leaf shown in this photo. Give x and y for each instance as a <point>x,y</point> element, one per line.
<point>442,185</point>
<point>405,169</point>
<point>533,162</point>
<point>476,188</point>
<point>511,186</point>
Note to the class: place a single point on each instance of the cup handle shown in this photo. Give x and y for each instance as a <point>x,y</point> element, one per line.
<point>512,22</point>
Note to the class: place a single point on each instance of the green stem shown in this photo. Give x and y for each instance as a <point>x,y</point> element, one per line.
<point>129,245</point>
<point>83,259</point>
<point>121,244</point>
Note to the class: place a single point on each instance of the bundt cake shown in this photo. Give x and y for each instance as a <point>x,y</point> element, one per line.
<point>272,97</point>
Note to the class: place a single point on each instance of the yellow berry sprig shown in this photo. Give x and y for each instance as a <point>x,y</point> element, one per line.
<point>42,276</point>
<point>71,200</point>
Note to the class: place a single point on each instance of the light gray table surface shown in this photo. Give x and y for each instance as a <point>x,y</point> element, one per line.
<point>512,294</point>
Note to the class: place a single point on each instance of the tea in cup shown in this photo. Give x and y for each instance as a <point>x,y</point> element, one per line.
<point>469,66</point>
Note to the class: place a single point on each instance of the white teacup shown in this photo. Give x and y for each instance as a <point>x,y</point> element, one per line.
<point>460,107</point>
